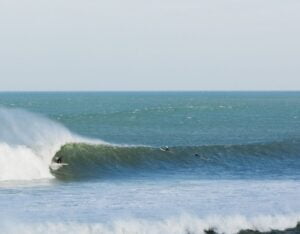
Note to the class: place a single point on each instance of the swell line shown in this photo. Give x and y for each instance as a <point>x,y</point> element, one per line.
<point>97,160</point>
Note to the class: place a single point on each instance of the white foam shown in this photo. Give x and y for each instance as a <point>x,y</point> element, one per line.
<point>177,225</point>
<point>28,142</point>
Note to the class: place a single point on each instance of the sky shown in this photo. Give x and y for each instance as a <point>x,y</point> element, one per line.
<point>58,45</point>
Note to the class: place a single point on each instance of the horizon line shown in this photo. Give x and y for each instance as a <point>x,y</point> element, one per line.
<point>91,91</point>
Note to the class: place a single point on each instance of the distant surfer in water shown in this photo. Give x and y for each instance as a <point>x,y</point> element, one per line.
<point>202,156</point>
<point>165,148</point>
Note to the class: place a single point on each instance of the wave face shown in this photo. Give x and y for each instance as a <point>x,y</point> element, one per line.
<point>27,144</point>
<point>275,159</point>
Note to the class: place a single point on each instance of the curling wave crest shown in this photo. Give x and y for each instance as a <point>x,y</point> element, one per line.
<point>28,142</point>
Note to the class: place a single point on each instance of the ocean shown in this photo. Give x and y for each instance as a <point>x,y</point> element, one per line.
<point>149,162</point>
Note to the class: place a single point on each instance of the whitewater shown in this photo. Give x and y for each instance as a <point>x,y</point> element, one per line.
<point>28,143</point>
<point>233,162</point>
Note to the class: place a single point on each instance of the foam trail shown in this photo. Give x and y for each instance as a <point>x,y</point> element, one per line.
<point>178,225</point>
<point>28,142</point>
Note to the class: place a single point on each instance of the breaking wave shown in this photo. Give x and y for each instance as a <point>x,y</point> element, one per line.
<point>185,224</point>
<point>31,143</point>
<point>28,142</point>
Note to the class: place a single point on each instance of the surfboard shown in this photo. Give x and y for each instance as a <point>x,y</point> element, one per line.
<point>55,166</point>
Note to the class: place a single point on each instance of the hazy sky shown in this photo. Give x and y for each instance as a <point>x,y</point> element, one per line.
<point>149,45</point>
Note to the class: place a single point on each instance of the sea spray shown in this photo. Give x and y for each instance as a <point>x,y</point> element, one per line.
<point>28,142</point>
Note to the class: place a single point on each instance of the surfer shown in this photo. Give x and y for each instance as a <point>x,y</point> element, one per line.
<point>58,159</point>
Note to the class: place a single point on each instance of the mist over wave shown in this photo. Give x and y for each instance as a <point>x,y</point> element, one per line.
<point>28,142</point>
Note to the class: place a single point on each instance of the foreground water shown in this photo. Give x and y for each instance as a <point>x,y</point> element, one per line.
<point>233,162</point>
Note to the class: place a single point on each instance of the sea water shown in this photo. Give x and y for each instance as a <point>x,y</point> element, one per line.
<point>233,162</point>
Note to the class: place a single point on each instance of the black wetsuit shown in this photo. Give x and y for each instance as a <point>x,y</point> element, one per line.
<point>58,160</point>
